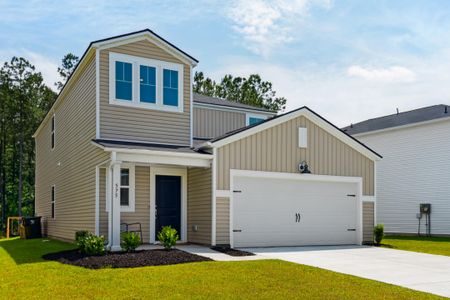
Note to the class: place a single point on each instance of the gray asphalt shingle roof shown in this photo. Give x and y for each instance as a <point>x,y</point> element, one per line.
<point>144,146</point>
<point>403,118</point>
<point>199,98</point>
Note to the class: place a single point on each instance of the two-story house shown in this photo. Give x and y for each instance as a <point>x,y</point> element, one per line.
<point>127,141</point>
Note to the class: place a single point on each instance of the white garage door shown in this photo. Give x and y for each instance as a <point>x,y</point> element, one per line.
<point>294,212</point>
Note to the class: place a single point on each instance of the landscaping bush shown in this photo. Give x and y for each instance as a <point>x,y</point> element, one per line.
<point>79,239</point>
<point>130,241</point>
<point>378,233</point>
<point>94,245</point>
<point>168,236</point>
<point>89,243</point>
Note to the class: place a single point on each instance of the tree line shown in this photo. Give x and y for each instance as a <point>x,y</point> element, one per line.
<point>25,100</point>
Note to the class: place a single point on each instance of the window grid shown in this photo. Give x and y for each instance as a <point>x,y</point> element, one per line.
<point>147,84</point>
<point>124,187</point>
<point>170,87</point>
<point>124,81</point>
<point>53,132</point>
<point>53,202</point>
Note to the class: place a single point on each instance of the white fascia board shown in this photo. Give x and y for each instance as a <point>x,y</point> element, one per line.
<point>301,112</point>
<point>145,36</point>
<point>66,87</point>
<point>155,152</point>
<point>163,159</point>
<point>401,127</point>
<point>233,109</point>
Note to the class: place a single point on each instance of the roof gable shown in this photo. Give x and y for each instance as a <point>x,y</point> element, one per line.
<point>423,114</point>
<point>303,111</point>
<point>148,35</point>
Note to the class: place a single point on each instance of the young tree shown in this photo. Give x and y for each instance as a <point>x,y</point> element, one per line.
<point>252,90</point>
<point>69,62</point>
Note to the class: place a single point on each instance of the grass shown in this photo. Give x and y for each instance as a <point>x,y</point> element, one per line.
<point>23,274</point>
<point>431,245</point>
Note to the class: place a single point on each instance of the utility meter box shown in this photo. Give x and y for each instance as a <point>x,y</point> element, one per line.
<point>425,208</point>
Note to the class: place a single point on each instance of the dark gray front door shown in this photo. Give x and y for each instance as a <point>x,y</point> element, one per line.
<point>168,203</point>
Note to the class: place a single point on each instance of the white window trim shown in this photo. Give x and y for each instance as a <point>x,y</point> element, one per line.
<point>132,189</point>
<point>248,116</point>
<point>53,202</point>
<point>52,133</point>
<point>136,62</point>
<point>303,137</point>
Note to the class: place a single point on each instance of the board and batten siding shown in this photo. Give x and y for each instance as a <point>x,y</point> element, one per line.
<point>415,169</point>
<point>140,124</point>
<point>276,150</point>
<point>199,205</point>
<point>141,212</point>
<point>222,221</point>
<point>368,221</point>
<point>70,166</point>
<point>210,123</point>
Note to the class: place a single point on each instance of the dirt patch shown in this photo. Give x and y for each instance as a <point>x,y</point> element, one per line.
<point>232,252</point>
<point>125,260</point>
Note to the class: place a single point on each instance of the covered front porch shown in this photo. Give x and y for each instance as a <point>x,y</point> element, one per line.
<point>151,186</point>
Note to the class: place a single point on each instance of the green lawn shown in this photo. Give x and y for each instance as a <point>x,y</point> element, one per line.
<point>23,274</point>
<point>432,245</point>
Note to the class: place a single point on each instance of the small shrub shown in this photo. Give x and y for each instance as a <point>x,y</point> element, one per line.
<point>378,233</point>
<point>79,239</point>
<point>168,236</point>
<point>130,241</point>
<point>94,245</point>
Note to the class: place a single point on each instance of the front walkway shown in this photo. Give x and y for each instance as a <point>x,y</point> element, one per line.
<point>204,251</point>
<point>418,271</point>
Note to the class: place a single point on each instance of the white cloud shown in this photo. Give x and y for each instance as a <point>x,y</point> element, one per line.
<point>48,67</point>
<point>266,24</point>
<point>343,99</point>
<point>390,74</point>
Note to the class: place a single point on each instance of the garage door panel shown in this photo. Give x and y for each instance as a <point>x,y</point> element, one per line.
<point>264,212</point>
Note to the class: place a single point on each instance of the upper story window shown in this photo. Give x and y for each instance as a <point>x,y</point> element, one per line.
<point>124,75</point>
<point>254,119</point>
<point>170,91</point>
<point>145,83</point>
<point>53,132</point>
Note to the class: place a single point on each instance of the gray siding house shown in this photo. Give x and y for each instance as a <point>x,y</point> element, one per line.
<point>127,141</point>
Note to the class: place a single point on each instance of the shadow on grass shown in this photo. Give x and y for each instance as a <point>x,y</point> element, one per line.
<point>31,251</point>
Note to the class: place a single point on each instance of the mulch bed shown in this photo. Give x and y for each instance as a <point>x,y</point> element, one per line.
<point>232,252</point>
<point>125,260</point>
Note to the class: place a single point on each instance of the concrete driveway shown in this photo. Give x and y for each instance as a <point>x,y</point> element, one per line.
<point>418,271</point>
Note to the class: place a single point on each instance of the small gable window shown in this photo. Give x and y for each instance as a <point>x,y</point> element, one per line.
<point>53,202</point>
<point>147,85</point>
<point>170,91</point>
<point>124,81</point>
<point>255,119</point>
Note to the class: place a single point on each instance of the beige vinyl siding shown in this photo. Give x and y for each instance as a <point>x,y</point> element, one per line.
<point>141,212</point>
<point>210,123</point>
<point>368,221</point>
<point>140,124</point>
<point>276,150</point>
<point>70,166</point>
<point>199,199</point>
<point>223,221</point>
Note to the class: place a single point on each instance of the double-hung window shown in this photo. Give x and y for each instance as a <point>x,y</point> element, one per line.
<point>124,81</point>
<point>53,132</point>
<point>170,90</point>
<point>126,188</point>
<point>53,202</point>
<point>145,83</point>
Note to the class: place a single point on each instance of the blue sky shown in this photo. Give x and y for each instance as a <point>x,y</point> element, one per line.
<point>348,60</point>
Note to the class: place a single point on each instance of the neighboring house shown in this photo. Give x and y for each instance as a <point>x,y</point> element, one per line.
<point>127,141</point>
<point>415,167</point>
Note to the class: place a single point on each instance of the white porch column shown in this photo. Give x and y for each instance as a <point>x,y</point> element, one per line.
<point>115,207</point>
